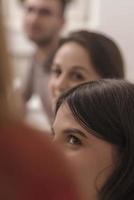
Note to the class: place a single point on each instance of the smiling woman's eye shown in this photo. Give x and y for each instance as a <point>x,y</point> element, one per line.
<point>29,9</point>
<point>55,71</point>
<point>73,140</point>
<point>77,76</point>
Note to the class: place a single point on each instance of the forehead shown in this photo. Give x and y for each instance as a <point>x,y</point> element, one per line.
<point>65,116</point>
<point>51,4</point>
<point>64,113</point>
<point>72,53</point>
<point>72,47</point>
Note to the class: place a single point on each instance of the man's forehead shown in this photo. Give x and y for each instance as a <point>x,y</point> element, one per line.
<point>54,5</point>
<point>49,3</point>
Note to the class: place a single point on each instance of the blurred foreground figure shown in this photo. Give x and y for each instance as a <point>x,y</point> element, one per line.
<point>31,167</point>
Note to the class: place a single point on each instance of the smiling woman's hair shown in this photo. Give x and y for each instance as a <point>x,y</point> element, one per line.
<point>107,108</point>
<point>103,52</point>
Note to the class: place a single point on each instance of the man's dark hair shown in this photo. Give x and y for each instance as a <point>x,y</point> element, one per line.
<point>64,3</point>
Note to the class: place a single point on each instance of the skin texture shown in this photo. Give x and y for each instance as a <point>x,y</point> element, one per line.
<point>91,157</point>
<point>43,20</point>
<point>71,66</point>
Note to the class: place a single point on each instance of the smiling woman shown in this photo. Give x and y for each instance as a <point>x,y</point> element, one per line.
<point>97,137</point>
<point>81,57</point>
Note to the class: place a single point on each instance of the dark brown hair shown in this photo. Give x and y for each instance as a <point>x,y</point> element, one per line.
<point>103,52</point>
<point>64,3</point>
<point>107,107</point>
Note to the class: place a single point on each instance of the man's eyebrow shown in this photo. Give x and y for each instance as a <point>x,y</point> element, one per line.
<point>40,9</point>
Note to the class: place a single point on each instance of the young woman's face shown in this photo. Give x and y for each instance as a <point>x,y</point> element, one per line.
<point>71,66</point>
<point>92,158</point>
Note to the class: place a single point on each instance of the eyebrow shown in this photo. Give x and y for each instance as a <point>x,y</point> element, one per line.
<point>73,67</point>
<point>55,65</point>
<point>71,130</point>
<point>40,9</point>
<point>78,67</point>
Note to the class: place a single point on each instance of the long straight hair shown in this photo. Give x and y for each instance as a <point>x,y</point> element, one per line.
<point>107,107</point>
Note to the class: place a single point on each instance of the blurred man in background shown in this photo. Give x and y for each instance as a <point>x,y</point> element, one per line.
<point>43,22</point>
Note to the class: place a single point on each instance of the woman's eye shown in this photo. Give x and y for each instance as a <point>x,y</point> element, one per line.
<point>74,140</point>
<point>55,72</point>
<point>78,77</point>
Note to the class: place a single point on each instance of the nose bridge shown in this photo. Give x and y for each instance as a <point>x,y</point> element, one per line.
<point>58,142</point>
<point>56,139</point>
<point>34,15</point>
<point>62,81</point>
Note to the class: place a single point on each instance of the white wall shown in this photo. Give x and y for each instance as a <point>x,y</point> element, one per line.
<point>116,17</point>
